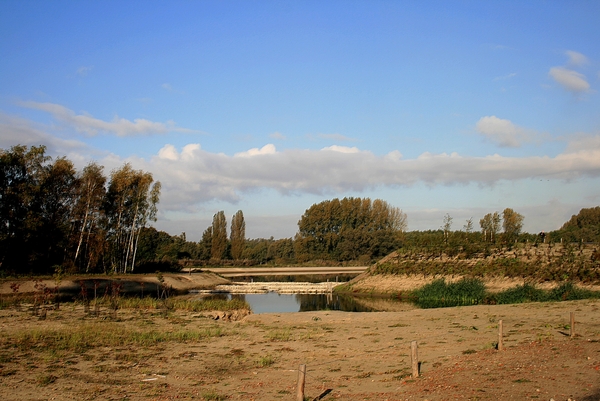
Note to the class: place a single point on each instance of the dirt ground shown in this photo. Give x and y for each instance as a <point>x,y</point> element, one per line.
<point>358,356</point>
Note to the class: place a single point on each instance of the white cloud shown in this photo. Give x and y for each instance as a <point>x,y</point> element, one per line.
<point>19,131</point>
<point>168,152</point>
<point>504,132</point>
<point>268,149</point>
<point>193,178</point>
<point>341,149</point>
<point>202,176</point>
<point>569,79</point>
<point>92,126</point>
<point>576,58</point>
<point>167,86</point>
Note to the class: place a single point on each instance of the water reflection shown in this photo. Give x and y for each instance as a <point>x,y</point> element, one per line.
<point>273,302</point>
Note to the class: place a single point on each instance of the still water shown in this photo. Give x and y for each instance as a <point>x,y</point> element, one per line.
<point>273,302</point>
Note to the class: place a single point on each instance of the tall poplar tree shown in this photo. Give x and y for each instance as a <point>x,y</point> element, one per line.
<point>219,236</point>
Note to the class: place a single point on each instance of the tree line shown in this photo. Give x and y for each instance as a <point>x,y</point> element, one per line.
<point>359,230</point>
<point>57,218</point>
<point>54,216</point>
<point>334,230</point>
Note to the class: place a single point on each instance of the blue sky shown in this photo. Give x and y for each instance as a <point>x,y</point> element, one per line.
<point>436,107</point>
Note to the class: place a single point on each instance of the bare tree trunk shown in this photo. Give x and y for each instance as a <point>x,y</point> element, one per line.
<point>87,209</point>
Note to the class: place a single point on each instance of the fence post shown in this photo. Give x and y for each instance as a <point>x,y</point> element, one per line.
<point>301,381</point>
<point>414,355</point>
<point>572,324</point>
<point>500,342</point>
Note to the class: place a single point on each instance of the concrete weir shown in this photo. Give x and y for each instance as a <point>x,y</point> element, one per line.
<point>263,288</point>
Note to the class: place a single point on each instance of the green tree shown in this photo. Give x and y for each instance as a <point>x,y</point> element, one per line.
<point>512,223</point>
<point>36,203</point>
<point>205,245</point>
<point>281,250</point>
<point>52,212</point>
<point>348,229</point>
<point>219,236</point>
<point>21,177</point>
<point>490,226</point>
<point>238,235</point>
<point>130,203</point>
<point>584,226</point>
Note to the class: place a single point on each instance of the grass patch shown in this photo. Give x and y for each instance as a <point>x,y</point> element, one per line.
<point>280,335</point>
<point>91,335</point>
<point>265,361</point>
<point>213,396</point>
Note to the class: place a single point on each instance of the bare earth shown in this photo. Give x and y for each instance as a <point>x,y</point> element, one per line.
<point>359,356</point>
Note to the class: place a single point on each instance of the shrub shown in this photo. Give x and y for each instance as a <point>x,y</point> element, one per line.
<point>520,294</point>
<point>439,294</point>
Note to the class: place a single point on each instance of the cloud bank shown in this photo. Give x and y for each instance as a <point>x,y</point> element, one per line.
<point>194,175</point>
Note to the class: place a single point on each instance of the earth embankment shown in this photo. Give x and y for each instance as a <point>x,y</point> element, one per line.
<point>148,283</point>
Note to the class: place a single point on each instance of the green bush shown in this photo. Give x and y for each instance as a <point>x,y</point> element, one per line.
<point>471,291</point>
<point>520,294</point>
<point>439,294</point>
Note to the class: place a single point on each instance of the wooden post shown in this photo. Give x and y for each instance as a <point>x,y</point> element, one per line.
<point>500,343</point>
<point>414,355</point>
<point>301,381</point>
<point>572,324</point>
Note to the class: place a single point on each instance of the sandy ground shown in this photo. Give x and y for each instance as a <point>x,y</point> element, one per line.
<point>359,356</point>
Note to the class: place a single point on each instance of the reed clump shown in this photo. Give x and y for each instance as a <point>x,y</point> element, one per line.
<point>439,294</point>
<point>149,303</point>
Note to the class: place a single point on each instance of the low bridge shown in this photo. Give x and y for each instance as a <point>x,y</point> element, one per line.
<point>283,271</point>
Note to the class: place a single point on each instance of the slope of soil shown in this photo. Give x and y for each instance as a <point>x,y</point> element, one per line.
<point>180,283</point>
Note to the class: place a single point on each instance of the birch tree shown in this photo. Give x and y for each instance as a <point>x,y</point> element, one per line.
<point>490,224</point>
<point>87,217</point>
<point>130,203</point>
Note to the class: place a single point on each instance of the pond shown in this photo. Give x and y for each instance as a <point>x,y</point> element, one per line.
<point>273,302</point>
